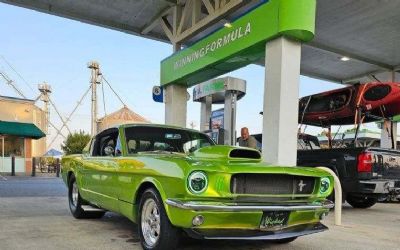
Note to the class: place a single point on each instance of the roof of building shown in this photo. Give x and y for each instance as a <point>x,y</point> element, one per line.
<point>28,130</point>
<point>124,114</point>
<point>16,99</point>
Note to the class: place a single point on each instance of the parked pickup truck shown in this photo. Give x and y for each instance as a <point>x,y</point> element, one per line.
<point>366,173</point>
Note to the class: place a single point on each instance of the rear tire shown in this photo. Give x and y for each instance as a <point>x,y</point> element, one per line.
<point>155,230</point>
<point>361,201</point>
<point>75,202</point>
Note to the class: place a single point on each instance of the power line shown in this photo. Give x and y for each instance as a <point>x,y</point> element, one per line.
<point>119,98</point>
<point>69,117</point>
<point>59,115</point>
<point>104,99</point>
<point>12,84</point>
<point>18,74</point>
<point>58,131</point>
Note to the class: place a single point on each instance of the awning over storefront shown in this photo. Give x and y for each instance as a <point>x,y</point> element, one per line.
<point>28,130</point>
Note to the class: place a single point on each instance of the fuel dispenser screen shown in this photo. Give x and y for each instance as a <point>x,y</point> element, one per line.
<point>217,119</point>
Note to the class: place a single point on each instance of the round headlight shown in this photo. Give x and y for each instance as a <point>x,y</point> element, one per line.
<point>197,182</point>
<point>325,183</point>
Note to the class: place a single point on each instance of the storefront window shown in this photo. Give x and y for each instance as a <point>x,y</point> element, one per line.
<point>13,146</point>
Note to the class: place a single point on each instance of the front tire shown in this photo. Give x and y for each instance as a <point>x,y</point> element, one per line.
<point>155,230</point>
<point>75,202</point>
<point>361,201</point>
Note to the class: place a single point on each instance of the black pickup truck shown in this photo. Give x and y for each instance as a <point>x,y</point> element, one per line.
<point>366,173</point>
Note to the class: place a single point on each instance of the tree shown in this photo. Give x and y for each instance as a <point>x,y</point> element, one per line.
<point>75,143</point>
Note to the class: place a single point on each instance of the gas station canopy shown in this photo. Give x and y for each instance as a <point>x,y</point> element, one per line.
<point>366,32</point>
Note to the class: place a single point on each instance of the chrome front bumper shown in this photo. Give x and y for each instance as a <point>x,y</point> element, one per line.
<point>223,207</point>
<point>221,234</point>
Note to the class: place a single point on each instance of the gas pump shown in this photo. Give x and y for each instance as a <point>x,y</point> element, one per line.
<point>216,126</point>
<point>219,124</point>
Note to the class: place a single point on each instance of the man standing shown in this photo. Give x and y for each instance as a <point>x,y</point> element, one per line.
<point>247,140</point>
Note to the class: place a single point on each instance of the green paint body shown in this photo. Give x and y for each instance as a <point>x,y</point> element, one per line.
<point>231,48</point>
<point>113,183</point>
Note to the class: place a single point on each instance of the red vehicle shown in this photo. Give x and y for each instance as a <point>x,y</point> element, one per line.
<point>351,105</point>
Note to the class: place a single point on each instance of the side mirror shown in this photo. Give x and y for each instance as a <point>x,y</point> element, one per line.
<point>109,151</point>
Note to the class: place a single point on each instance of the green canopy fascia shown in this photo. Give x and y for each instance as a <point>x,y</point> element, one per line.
<point>241,43</point>
<point>28,130</point>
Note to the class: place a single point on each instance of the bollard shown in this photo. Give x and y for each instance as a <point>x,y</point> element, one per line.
<point>13,165</point>
<point>58,167</point>
<point>33,166</point>
<point>338,196</point>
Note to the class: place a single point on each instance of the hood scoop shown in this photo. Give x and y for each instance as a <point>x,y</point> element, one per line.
<point>227,153</point>
<point>244,153</point>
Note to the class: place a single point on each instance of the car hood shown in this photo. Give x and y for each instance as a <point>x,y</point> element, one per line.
<point>229,159</point>
<point>242,160</point>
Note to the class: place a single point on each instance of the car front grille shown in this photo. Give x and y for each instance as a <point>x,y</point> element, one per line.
<point>271,184</point>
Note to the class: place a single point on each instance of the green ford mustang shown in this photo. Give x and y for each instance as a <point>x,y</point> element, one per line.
<point>168,180</point>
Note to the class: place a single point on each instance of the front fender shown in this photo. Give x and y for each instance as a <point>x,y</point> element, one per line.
<point>157,184</point>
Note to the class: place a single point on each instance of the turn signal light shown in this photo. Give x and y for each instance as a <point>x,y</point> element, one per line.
<point>365,161</point>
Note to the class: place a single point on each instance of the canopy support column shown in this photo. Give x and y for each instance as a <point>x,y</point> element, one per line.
<point>389,134</point>
<point>389,128</point>
<point>176,101</point>
<point>394,135</point>
<point>281,97</point>
<point>230,118</point>
<point>205,113</point>
<point>175,105</point>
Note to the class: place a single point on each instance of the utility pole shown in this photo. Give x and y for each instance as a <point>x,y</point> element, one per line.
<point>45,90</point>
<point>95,72</point>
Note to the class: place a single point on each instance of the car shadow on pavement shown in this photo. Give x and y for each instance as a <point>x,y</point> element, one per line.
<point>192,244</point>
<point>128,232</point>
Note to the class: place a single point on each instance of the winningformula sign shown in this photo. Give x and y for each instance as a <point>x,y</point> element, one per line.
<point>241,43</point>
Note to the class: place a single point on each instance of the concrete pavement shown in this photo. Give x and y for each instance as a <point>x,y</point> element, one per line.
<point>34,215</point>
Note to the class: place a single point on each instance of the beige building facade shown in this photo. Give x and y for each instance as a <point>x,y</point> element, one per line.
<point>22,133</point>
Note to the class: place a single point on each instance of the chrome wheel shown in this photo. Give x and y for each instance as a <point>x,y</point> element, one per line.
<point>150,222</point>
<point>74,194</point>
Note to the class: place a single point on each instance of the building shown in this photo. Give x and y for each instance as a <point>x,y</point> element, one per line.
<point>122,116</point>
<point>21,133</point>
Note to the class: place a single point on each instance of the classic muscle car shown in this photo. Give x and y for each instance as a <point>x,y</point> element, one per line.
<point>169,179</point>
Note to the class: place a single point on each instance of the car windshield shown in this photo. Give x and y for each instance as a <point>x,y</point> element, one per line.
<point>159,139</point>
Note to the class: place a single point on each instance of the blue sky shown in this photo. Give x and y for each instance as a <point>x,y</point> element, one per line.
<point>47,48</point>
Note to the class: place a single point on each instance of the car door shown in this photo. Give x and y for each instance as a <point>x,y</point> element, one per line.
<point>100,171</point>
<point>83,170</point>
<point>131,166</point>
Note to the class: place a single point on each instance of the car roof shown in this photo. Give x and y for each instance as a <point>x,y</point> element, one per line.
<point>155,125</point>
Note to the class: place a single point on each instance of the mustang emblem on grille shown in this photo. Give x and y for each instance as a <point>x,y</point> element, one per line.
<point>301,185</point>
